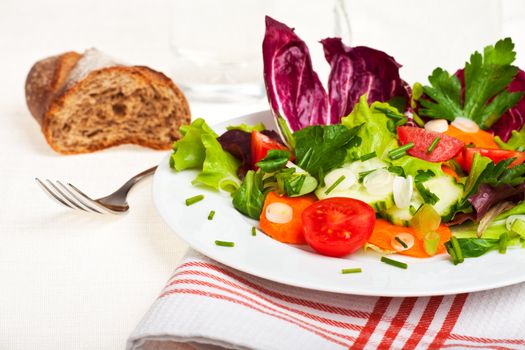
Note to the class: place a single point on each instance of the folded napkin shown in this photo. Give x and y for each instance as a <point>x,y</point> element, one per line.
<point>206,305</point>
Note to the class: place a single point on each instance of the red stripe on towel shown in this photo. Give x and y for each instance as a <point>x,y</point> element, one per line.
<point>378,312</point>
<point>450,321</point>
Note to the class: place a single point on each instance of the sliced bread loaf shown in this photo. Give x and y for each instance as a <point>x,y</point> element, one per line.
<point>89,102</point>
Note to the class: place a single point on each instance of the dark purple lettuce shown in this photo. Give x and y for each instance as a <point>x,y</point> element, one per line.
<point>487,196</point>
<point>293,87</point>
<point>359,70</point>
<point>514,118</point>
<point>238,144</point>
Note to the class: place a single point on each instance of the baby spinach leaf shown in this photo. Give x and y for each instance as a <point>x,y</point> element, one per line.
<point>320,148</point>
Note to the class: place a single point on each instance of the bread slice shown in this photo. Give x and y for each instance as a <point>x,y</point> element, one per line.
<point>89,102</point>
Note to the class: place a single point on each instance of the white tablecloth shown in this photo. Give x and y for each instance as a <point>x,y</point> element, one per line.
<point>71,280</point>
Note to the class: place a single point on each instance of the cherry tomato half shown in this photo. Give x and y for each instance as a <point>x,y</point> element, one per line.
<point>338,226</point>
<point>261,144</point>
<point>496,155</point>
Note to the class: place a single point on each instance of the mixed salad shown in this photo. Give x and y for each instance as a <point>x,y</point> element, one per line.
<point>372,162</point>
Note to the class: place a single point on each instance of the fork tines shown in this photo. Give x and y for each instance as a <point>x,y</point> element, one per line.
<point>70,196</point>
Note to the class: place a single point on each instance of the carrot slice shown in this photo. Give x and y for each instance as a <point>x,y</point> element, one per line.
<point>292,231</point>
<point>481,138</point>
<point>384,232</point>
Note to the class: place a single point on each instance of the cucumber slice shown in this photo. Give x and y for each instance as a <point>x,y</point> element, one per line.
<point>448,191</point>
<point>375,189</point>
<point>445,187</point>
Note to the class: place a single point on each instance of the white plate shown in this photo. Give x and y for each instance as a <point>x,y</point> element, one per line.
<point>298,266</point>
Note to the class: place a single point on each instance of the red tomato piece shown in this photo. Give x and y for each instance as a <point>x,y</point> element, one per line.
<point>496,155</point>
<point>261,144</point>
<point>338,226</point>
<point>446,148</point>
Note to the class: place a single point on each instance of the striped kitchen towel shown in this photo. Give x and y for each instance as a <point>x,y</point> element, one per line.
<point>206,305</point>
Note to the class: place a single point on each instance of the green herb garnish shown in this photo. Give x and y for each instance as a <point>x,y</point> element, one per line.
<point>503,243</point>
<point>368,156</point>
<point>395,263</point>
<point>457,249</point>
<point>254,231</point>
<point>194,199</point>
<point>225,244</point>
<point>399,152</point>
<point>351,270</point>
<point>211,215</point>
<point>397,170</point>
<point>335,184</point>
<point>400,241</point>
<point>483,97</point>
<point>433,144</point>
<point>361,176</point>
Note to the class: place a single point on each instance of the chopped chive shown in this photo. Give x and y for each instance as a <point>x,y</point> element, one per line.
<point>352,270</point>
<point>368,156</point>
<point>395,263</point>
<point>254,231</point>
<point>363,174</point>
<point>225,244</point>
<point>195,199</point>
<point>418,120</point>
<point>211,215</point>
<point>396,170</point>
<point>452,254</point>
<point>400,151</point>
<point>433,144</point>
<point>503,242</point>
<point>457,249</point>
<point>335,184</point>
<point>400,241</point>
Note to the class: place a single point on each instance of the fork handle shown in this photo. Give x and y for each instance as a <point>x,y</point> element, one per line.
<point>124,189</point>
<point>139,177</point>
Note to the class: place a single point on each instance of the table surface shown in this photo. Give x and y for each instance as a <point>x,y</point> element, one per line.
<point>71,280</point>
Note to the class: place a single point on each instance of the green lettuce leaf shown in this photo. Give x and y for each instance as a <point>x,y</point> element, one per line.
<point>479,163</point>
<point>376,133</point>
<point>516,141</point>
<point>189,152</point>
<point>486,79</point>
<point>247,128</point>
<point>219,169</point>
<point>484,170</point>
<point>414,166</point>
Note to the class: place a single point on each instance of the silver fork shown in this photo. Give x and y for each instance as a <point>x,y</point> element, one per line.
<point>71,197</point>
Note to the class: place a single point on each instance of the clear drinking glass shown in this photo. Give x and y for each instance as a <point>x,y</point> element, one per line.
<point>217,44</point>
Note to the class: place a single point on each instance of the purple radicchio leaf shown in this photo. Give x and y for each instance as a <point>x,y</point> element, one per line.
<point>238,144</point>
<point>357,71</point>
<point>487,196</point>
<point>293,87</point>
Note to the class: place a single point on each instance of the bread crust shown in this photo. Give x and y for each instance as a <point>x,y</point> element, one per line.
<point>45,81</point>
<point>47,88</point>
